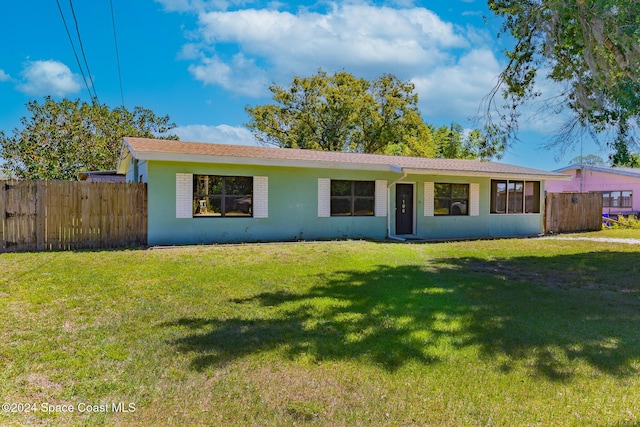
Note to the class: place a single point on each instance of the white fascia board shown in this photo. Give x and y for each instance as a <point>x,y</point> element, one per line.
<point>255,161</point>
<point>502,175</point>
<point>381,167</point>
<point>124,159</point>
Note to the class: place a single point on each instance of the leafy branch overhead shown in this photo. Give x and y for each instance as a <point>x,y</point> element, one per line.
<point>63,138</point>
<point>345,113</point>
<point>590,47</point>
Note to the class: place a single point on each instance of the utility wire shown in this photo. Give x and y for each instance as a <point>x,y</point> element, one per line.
<point>75,53</point>
<point>94,97</point>
<point>115,40</point>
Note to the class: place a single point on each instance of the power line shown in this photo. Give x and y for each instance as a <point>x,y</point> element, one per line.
<point>73,13</point>
<point>115,40</point>
<point>75,53</point>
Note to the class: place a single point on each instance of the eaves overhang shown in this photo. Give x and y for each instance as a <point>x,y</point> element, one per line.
<point>171,151</point>
<point>612,170</point>
<point>489,174</point>
<point>257,161</point>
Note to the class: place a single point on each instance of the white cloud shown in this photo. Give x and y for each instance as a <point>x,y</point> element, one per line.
<point>243,50</point>
<point>222,134</point>
<point>48,78</point>
<point>240,76</point>
<point>357,37</point>
<point>198,5</point>
<point>455,91</point>
<point>4,77</point>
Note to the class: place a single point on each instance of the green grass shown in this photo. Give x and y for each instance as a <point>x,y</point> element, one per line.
<point>612,232</point>
<point>506,332</point>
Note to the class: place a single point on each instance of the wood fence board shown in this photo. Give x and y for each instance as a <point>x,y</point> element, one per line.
<point>573,212</point>
<point>64,215</point>
<point>19,216</point>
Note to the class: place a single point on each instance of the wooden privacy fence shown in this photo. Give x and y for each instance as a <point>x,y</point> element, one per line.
<point>572,212</point>
<point>63,215</point>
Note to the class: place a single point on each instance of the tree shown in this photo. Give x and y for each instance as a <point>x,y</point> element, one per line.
<point>591,47</point>
<point>621,155</point>
<point>63,138</point>
<point>345,113</point>
<point>453,142</point>
<point>589,160</point>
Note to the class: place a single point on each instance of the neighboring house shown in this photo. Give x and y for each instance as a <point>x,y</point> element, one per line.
<point>204,193</point>
<point>102,176</point>
<point>617,185</point>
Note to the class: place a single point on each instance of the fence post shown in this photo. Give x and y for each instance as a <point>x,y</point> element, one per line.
<point>41,214</point>
<point>3,215</point>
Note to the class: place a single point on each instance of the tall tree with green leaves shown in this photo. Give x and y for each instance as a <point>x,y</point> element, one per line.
<point>454,142</point>
<point>63,138</point>
<point>343,113</point>
<point>590,47</point>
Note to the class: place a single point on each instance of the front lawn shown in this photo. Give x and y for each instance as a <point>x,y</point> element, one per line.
<point>506,332</point>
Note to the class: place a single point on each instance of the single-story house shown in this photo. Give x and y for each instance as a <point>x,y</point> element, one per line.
<point>616,184</point>
<point>204,193</point>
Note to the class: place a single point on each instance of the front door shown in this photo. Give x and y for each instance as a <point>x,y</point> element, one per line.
<point>404,208</point>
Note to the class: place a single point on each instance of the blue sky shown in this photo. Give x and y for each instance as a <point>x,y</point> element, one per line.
<point>202,61</point>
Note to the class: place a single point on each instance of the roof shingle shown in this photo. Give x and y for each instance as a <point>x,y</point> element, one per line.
<point>148,148</point>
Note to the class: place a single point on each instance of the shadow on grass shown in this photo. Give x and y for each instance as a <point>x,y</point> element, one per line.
<point>544,313</point>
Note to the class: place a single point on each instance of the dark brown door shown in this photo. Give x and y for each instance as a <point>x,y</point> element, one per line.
<point>404,208</point>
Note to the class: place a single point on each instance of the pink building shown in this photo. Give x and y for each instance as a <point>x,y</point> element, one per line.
<point>617,186</point>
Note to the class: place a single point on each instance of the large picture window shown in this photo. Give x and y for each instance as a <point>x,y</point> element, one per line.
<point>222,196</point>
<point>617,199</point>
<point>515,197</point>
<point>352,198</point>
<point>451,199</point>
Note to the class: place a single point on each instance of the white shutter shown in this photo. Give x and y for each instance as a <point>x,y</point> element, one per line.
<point>184,195</point>
<point>261,197</point>
<point>429,194</point>
<point>324,197</point>
<point>381,198</point>
<point>474,199</point>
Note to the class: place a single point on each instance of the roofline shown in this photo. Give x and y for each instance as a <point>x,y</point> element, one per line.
<point>505,175</point>
<point>603,169</point>
<point>260,161</point>
<point>381,167</point>
<point>102,172</point>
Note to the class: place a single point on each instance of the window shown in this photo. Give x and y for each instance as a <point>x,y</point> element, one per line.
<point>515,197</point>
<point>617,199</point>
<point>451,199</point>
<point>352,198</point>
<point>222,196</point>
<point>532,197</point>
